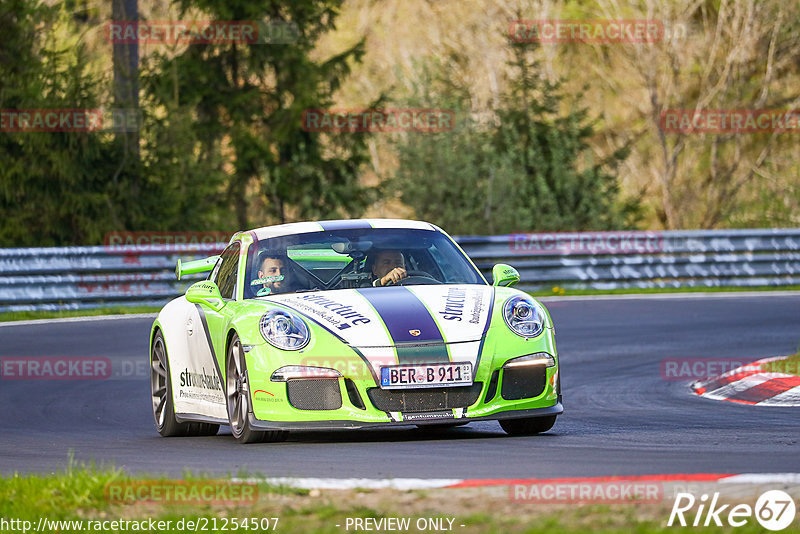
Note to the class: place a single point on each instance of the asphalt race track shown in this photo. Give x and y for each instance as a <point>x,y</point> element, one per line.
<point>621,417</point>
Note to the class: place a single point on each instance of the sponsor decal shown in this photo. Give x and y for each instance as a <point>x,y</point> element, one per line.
<point>261,395</point>
<point>454,304</point>
<point>181,492</point>
<point>477,307</point>
<point>345,311</point>
<point>414,333</point>
<point>267,280</point>
<point>263,292</point>
<point>55,368</point>
<point>200,380</point>
<point>424,416</point>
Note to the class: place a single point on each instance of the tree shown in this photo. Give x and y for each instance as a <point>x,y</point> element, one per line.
<point>246,102</point>
<point>54,186</point>
<point>530,169</point>
<point>726,55</point>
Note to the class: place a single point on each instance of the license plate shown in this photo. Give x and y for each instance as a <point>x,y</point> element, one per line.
<point>426,375</point>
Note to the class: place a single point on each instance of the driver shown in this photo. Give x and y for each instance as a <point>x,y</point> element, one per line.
<point>273,268</point>
<point>388,266</point>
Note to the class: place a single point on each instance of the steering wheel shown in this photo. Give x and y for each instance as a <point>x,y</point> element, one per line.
<point>415,277</point>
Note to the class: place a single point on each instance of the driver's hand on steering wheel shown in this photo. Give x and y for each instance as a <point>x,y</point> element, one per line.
<point>393,276</point>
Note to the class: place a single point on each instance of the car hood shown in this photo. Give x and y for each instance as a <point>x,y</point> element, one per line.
<point>398,316</point>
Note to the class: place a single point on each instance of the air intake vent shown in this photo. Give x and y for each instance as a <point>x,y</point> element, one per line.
<point>314,394</point>
<point>524,382</point>
<point>424,399</point>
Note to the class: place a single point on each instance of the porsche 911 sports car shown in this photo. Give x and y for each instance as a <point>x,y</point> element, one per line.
<point>350,324</point>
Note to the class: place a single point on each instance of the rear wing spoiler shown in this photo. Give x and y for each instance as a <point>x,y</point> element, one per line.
<point>197,266</point>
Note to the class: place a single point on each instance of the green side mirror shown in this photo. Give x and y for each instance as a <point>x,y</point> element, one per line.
<point>504,275</point>
<point>205,292</point>
<point>197,266</point>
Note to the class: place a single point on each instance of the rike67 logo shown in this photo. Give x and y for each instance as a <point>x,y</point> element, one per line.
<point>774,510</point>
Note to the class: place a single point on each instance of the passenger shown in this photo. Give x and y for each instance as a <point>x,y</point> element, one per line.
<point>273,269</point>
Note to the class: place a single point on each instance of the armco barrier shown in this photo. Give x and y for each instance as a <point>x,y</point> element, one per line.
<point>82,277</point>
<point>86,277</point>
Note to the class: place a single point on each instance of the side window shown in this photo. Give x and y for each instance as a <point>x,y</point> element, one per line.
<point>225,273</point>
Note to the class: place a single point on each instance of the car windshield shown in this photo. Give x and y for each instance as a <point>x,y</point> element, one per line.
<point>340,259</point>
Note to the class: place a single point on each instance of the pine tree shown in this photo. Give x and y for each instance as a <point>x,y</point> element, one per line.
<point>246,102</point>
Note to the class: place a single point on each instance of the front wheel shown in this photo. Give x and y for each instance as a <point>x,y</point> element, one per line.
<point>237,394</point>
<point>528,426</point>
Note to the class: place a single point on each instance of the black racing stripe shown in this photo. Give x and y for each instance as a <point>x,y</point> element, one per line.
<point>409,324</point>
<point>485,330</point>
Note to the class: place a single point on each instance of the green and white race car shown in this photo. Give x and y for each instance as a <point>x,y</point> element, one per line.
<point>350,324</point>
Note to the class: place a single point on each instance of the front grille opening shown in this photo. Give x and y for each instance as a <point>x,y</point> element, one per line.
<point>491,391</point>
<point>524,382</point>
<point>424,399</point>
<point>353,394</point>
<point>314,394</point>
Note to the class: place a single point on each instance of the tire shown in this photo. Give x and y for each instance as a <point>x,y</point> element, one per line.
<point>528,426</point>
<point>237,399</point>
<point>161,395</point>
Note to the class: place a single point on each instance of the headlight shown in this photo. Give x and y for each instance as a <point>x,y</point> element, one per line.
<point>288,372</point>
<point>523,316</point>
<point>284,330</point>
<point>540,358</point>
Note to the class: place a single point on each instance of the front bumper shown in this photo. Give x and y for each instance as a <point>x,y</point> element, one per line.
<point>355,400</point>
<point>257,424</point>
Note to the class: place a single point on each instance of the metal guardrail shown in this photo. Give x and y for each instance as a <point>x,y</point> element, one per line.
<point>674,259</point>
<point>84,277</point>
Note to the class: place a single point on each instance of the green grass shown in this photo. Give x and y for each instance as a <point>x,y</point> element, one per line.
<point>790,365</point>
<point>113,310</point>
<point>79,493</point>
<point>558,291</point>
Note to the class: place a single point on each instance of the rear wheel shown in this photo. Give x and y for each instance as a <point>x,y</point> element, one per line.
<point>238,398</point>
<point>528,426</point>
<point>161,394</point>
